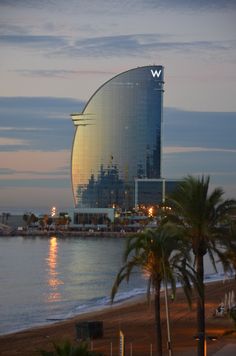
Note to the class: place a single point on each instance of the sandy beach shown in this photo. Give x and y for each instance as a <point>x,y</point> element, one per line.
<point>136,319</point>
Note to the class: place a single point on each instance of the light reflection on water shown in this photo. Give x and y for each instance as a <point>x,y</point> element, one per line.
<point>53,276</point>
<point>45,279</point>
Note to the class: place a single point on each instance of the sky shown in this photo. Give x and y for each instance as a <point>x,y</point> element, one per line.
<point>54,54</point>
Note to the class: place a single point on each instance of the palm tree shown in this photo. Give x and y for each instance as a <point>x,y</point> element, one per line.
<point>161,255</point>
<point>29,218</point>
<point>202,215</point>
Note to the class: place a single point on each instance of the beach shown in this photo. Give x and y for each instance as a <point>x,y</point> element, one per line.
<point>136,320</point>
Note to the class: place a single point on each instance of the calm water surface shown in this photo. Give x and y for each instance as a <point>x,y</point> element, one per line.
<point>52,278</point>
<point>48,279</point>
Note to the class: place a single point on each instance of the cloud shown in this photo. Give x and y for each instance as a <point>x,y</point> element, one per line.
<point>30,173</point>
<point>31,199</point>
<point>199,129</point>
<point>228,174</point>
<point>111,5</point>
<point>7,141</point>
<point>4,171</point>
<point>35,161</point>
<point>60,73</point>
<point>138,44</point>
<point>198,5</point>
<point>29,129</point>
<point>35,169</point>
<point>38,104</point>
<point>110,46</point>
<point>185,149</point>
<point>204,141</point>
<point>12,29</point>
<point>45,123</point>
<point>38,41</point>
<point>180,161</point>
<point>41,182</point>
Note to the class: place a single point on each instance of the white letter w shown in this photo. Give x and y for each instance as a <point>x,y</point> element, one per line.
<point>156,73</point>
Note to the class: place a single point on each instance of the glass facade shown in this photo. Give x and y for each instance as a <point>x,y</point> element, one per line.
<point>153,191</point>
<point>118,139</point>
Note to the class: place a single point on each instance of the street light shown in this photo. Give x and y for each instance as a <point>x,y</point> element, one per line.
<point>53,211</point>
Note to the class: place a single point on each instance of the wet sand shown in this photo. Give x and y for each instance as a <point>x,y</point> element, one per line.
<point>136,319</point>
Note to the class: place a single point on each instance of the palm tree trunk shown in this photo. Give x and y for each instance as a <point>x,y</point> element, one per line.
<point>158,318</point>
<point>201,305</point>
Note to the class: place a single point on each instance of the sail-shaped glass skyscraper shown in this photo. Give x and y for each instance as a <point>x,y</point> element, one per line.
<point>118,139</point>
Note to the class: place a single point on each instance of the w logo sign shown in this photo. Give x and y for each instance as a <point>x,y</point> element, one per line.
<point>156,73</point>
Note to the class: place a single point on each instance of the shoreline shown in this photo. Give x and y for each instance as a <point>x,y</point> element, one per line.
<point>136,319</point>
<point>93,309</point>
<point>69,234</point>
<point>50,321</point>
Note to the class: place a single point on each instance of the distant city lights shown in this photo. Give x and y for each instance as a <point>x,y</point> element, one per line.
<point>150,211</point>
<point>53,211</point>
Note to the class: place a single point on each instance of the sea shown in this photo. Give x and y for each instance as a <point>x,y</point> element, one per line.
<point>48,279</point>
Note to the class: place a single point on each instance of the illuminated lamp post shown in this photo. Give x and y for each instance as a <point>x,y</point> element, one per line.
<point>53,215</point>
<point>53,211</point>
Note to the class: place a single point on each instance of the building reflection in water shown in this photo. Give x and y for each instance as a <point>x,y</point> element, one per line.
<point>53,279</point>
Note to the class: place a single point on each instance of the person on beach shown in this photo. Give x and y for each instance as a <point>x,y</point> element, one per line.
<point>220,310</point>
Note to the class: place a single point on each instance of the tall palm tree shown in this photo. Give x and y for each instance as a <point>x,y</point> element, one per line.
<point>161,255</point>
<point>202,215</point>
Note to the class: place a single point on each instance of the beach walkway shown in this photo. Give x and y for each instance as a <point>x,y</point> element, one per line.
<point>227,350</point>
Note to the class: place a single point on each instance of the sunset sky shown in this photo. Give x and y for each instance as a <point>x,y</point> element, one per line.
<point>54,54</point>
